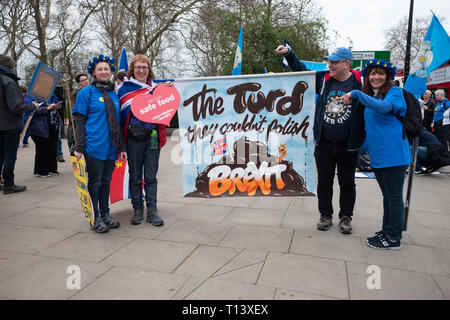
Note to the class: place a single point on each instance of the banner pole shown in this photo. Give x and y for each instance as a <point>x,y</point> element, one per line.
<point>412,168</point>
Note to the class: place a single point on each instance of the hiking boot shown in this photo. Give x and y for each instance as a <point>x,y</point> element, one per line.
<point>382,241</point>
<point>13,189</point>
<point>111,222</point>
<point>345,225</point>
<point>138,216</point>
<point>154,219</point>
<point>100,226</point>
<point>324,223</point>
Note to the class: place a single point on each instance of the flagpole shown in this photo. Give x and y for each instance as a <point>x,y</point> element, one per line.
<point>416,140</point>
<point>408,42</point>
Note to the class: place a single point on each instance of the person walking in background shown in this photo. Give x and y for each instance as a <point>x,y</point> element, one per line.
<point>144,141</point>
<point>389,151</point>
<point>11,122</point>
<point>338,134</point>
<point>442,104</point>
<point>428,108</point>
<point>99,138</point>
<point>44,128</point>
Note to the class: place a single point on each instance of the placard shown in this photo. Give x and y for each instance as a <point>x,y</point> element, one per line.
<point>43,83</point>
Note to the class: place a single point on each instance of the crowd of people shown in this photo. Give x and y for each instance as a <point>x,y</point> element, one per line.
<point>105,130</point>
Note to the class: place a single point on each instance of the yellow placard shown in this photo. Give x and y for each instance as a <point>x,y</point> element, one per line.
<point>79,171</point>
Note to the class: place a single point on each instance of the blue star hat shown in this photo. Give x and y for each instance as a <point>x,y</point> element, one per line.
<point>369,64</point>
<point>100,58</point>
<point>340,53</point>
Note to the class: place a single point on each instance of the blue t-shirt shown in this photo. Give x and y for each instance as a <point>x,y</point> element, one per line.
<point>90,103</point>
<point>439,109</point>
<point>384,132</point>
<point>337,114</point>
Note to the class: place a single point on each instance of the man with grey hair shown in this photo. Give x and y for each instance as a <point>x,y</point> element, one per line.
<point>442,104</point>
<point>428,108</point>
<point>11,110</point>
<point>338,134</point>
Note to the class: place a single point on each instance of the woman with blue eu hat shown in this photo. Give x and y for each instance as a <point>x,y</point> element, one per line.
<point>389,151</point>
<point>98,137</point>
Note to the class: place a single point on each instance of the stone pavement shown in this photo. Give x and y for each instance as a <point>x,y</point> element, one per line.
<point>229,248</point>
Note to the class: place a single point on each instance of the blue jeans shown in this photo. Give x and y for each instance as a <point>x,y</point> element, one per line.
<point>391,182</point>
<point>99,180</point>
<point>9,143</point>
<point>143,159</point>
<point>421,156</point>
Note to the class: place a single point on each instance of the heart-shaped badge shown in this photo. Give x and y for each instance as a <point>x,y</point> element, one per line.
<point>158,107</point>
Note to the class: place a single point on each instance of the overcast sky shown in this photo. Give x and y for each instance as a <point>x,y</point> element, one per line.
<point>363,21</point>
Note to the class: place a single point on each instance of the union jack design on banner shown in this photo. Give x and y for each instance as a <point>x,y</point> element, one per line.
<point>219,147</point>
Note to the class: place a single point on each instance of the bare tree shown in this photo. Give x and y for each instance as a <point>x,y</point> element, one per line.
<point>48,48</point>
<point>15,26</point>
<point>151,19</point>
<point>396,36</point>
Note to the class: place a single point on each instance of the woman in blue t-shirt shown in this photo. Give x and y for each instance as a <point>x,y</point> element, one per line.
<point>389,151</point>
<point>98,137</point>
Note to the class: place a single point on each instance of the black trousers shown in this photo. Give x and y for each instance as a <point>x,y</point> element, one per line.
<point>330,156</point>
<point>45,157</point>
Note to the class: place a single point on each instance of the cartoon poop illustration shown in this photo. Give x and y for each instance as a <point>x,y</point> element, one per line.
<point>250,171</point>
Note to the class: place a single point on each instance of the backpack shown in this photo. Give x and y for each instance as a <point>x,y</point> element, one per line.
<point>412,122</point>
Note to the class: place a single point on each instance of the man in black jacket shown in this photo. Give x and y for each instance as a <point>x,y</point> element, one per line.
<point>11,120</point>
<point>338,134</point>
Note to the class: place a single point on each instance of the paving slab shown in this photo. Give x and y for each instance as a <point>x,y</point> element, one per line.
<point>121,283</point>
<point>256,217</point>
<point>22,239</point>
<point>258,238</point>
<point>410,257</point>
<point>284,294</point>
<point>206,261</point>
<point>200,232</point>
<point>214,289</point>
<point>307,274</point>
<point>47,279</point>
<point>315,243</point>
<point>200,212</point>
<point>153,255</point>
<point>443,284</point>
<point>13,263</point>
<point>393,284</point>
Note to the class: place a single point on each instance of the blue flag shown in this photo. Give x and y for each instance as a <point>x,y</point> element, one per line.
<point>238,58</point>
<point>123,64</point>
<point>434,51</point>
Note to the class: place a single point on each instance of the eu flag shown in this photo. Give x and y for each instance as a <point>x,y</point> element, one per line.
<point>434,52</point>
<point>238,58</point>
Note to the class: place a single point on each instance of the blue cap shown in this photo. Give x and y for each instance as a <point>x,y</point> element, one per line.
<point>340,53</point>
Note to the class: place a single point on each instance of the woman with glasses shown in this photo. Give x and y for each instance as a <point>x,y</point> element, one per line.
<point>144,141</point>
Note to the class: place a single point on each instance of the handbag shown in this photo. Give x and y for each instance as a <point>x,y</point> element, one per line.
<point>138,132</point>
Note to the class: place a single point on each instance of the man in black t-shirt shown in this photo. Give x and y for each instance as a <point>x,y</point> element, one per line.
<point>338,134</point>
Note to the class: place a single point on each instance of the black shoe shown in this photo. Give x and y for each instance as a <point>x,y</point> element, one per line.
<point>154,219</point>
<point>61,159</point>
<point>111,222</point>
<point>138,216</point>
<point>13,189</point>
<point>100,226</point>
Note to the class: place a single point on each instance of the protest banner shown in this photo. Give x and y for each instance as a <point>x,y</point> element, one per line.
<point>248,135</point>
<point>79,171</point>
<point>43,82</point>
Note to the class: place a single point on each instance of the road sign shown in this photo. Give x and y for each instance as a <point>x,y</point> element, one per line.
<point>359,57</point>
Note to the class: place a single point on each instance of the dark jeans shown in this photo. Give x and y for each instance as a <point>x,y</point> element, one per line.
<point>9,143</point>
<point>99,180</point>
<point>45,157</point>
<point>329,156</point>
<point>439,132</point>
<point>391,182</point>
<point>141,157</point>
